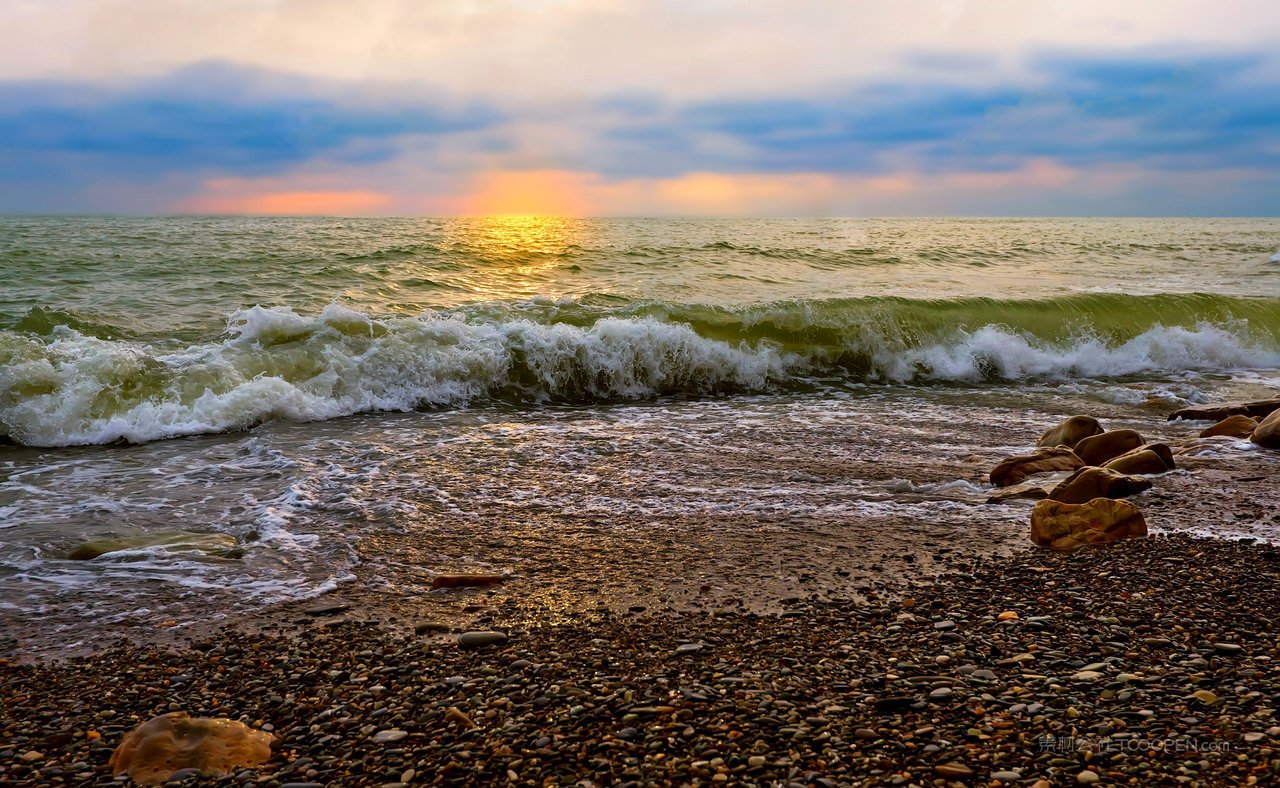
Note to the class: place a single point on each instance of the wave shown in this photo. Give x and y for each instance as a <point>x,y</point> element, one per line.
<point>62,386</point>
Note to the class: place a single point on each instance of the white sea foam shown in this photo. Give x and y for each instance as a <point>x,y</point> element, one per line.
<point>277,364</point>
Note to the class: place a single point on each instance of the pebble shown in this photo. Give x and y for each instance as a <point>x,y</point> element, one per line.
<point>389,736</point>
<point>1087,776</point>
<point>480,639</point>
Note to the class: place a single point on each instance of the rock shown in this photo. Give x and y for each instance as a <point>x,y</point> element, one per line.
<point>330,609</point>
<point>1267,433</point>
<point>163,745</point>
<point>389,736</point>
<point>424,627</point>
<point>1029,490</point>
<point>1149,459</point>
<point>1097,449</point>
<point>31,756</point>
<point>1087,776</point>
<point>689,648</point>
<point>1259,409</point>
<point>953,769</point>
<point>465,581</point>
<point>1045,460</point>
<point>1071,432</point>
<point>1008,615</point>
<point>480,639</point>
<point>218,545</point>
<point>1067,526</point>
<point>459,717</point>
<point>1237,426</point>
<point>1007,776</point>
<point>1088,483</point>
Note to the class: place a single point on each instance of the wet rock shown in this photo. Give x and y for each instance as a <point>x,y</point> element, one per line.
<point>1267,433</point>
<point>1237,426</point>
<point>333,608</point>
<point>1070,432</point>
<point>1088,483</point>
<point>1097,449</point>
<point>481,639</point>
<point>1030,490</point>
<point>471,580</point>
<point>218,545</point>
<point>1149,459</point>
<point>1014,470</point>
<point>1067,526</point>
<point>153,751</point>
<point>1258,409</point>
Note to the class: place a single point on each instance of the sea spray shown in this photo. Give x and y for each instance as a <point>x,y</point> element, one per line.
<point>61,386</point>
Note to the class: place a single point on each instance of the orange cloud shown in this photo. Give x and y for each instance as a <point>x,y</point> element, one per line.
<point>234,196</point>
<point>528,193</point>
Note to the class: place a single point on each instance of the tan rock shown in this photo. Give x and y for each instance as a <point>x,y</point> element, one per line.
<point>1087,484</point>
<point>1151,458</point>
<point>1033,490</point>
<point>466,581</point>
<point>161,746</point>
<point>1267,433</point>
<point>1067,526</point>
<point>1237,426</point>
<point>1015,470</point>
<point>1070,432</point>
<point>1258,409</point>
<point>1097,449</point>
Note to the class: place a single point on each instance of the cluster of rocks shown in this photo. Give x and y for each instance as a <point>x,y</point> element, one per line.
<point>1102,466</point>
<point>1150,663</point>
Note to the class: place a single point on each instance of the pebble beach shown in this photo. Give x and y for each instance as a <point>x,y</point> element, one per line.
<point>1152,661</point>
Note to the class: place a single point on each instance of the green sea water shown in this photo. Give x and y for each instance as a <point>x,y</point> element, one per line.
<point>139,329</point>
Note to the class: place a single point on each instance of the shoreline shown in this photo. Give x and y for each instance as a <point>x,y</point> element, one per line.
<point>1166,641</point>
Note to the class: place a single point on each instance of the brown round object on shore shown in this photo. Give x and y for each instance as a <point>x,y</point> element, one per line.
<point>1067,526</point>
<point>1089,483</point>
<point>1267,433</point>
<point>1044,460</point>
<point>466,581</point>
<point>1236,426</point>
<point>171,742</point>
<point>1097,449</point>
<point>1070,432</point>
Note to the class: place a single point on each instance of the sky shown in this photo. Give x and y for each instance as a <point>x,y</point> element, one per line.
<point>631,108</point>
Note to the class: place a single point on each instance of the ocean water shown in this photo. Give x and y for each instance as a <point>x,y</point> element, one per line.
<point>258,410</point>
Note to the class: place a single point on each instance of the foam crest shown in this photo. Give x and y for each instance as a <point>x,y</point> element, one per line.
<point>274,363</point>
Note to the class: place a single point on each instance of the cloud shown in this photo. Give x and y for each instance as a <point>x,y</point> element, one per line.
<point>1191,131</point>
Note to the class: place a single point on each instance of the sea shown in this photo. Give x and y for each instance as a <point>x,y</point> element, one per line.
<point>201,418</point>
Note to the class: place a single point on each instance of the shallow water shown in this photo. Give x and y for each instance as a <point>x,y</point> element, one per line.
<point>575,401</point>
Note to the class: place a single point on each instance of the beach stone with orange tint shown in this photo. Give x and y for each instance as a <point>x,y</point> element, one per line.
<point>1068,526</point>
<point>176,741</point>
<point>1097,449</point>
<point>1070,432</point>
<point>1044,460</point>
<point>1089,483</point>
<point>466,581</point>
<point>1152,458</point>
<point>1267,433</point>
<point>1237,426</point>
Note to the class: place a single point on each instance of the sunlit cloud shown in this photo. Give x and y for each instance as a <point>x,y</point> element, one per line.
<point>612,107</point>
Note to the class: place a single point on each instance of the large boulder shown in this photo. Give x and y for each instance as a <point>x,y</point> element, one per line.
<point>1067,526</point>
<point>1267,433</point>
<point>171,742</point>
<point>1258,409</point>
<point>1237,426</point>
<point>1097,449</point>
<point>1070,432</point>
<point>1046,460</point>
<point>1089,483</point>
<point>1151,458</point>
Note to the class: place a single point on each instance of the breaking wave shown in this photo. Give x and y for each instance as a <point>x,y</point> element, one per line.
<point>64,381</point>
